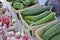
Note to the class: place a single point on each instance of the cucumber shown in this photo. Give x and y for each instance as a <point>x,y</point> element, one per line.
<point>29,22</point>
<point>50,26</point>
<point>46,19</point>
<point>18,5</point>
<point>37,17</point>
<point>51,32</point>
<point>27,2</point>
<point>35,11</point>
<point>56,37</point>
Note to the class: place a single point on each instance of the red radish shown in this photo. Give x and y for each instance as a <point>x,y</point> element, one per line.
<point>9,16</point>
<point>10,24</point>
<point>10,34</point>
<point>23,39</point>
<point>17,37</point>
<point>26,35</point>
<point>4,10</point>
<point>6,21</point>
<point>4,38</point>
<point>3,35</point>
<point>2,19</point>
<point>5,26</point>
<point>18,33</point>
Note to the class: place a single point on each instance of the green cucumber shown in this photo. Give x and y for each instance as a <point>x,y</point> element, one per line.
<point>35,11</point>
<point>56,37</point>
<point>28,22</point>
<point>50,26</point>
<point>18,5</point>
<point>45,19</point>
<point>37,17</point>
<point>51,32</point>
<point>26,2</point>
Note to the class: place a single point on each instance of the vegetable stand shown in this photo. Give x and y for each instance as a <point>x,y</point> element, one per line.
<point>31,19</point>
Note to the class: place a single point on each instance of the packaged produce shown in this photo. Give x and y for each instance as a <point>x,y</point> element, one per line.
<point>20,4</point>
<point>49,32</point>
<point>36,11</point>
<point>56,37</point>
<point>53,30</point>
<point>38,16</point>
<point>34,18</point>
<point>45,19</point>
<point>14,35</point>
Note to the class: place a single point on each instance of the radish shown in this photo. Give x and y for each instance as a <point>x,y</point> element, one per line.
<point>23,39</point>
<point>10,34</point>
<point>17,37</point>
<point>5,26</point>
<point>5,10</point>
<point>2,19</point>
<point>10,18</point>
<point>4,38</point>
<point>6,21</point>
<point>17,33</point>
<point>10,24</point>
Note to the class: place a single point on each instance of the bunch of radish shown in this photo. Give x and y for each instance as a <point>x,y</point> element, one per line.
<point>15,36</point>
<point>6,22</point>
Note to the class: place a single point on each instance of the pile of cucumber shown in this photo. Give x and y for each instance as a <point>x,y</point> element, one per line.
<point>52,32</point>
<point>39,15</point>
<point>20,4</point>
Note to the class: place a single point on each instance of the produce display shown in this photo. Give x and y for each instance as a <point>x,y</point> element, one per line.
<point>20,4</point>
<point>38,20</point>
<point>14,35</point>
<point>37,16</point>
<point>52,33</point>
